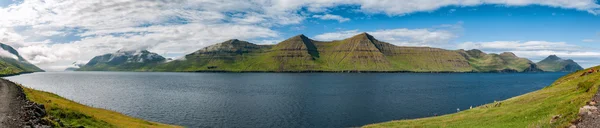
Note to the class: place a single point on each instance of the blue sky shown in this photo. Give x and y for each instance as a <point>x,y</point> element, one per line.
<point>54,34</point>
<point>481,23</point>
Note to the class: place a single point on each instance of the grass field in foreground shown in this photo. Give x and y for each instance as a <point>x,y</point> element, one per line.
<point>536,109</point>
<point>73,114</point>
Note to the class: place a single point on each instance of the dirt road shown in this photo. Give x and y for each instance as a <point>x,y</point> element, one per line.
<point>15,110</point>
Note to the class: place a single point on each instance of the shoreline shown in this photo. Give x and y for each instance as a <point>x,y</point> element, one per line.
<point>15,74</point>
<point>490,103</point>
<point>315,71</point>
<point>61,112</point>
<point>564,103</point>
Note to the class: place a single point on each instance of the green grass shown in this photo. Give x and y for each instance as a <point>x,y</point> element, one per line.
<point>9,69</point>
<point>564,97</point>
<point>73,114</point>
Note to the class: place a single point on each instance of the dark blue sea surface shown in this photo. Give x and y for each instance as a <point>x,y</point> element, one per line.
<point>283,99</point>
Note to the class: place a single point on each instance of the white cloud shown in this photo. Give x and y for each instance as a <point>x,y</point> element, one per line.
<point>4,53</point>
<point>182,26</point>
<point>519,46</point>
<point>177,39</point>
<point>588,40</point>
<point>403,36</point>
<point>332,17</point>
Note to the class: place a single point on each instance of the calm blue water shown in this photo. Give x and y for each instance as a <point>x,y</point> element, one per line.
<point>283,99</point>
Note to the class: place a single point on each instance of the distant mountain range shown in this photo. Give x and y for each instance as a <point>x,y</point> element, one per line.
<point>124,60</point>
<point>555,64</point>
<point>11,62</point>
<point>360,53</point>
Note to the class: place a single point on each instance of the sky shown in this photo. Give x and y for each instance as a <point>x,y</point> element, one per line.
<point>55,34</point>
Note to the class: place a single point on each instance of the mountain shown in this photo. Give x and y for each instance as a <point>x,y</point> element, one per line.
<point>360,53</point>
<point>71,69</point>
<point>554,63</point>
<point>504,62</point>
<point>11,62</point>
<point>124,60</point>
<point>232,54</point>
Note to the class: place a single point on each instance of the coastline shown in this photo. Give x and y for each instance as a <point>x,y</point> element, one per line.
<point>351,71</point>
<point>62,112</point>
<point>513,97</point>
<point>322,71</point>
<point>557,105</point>
<point>14,74</point>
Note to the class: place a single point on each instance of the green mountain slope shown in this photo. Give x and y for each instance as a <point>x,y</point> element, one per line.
<point>13,63</point>
<point>356,54</point>
<point>139,60</point>
<point>233,55</point>
<point>537,109</point>
<point>553,63</point>
<point>504,62</point>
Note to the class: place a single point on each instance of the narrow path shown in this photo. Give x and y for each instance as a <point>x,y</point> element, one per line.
<point>16,111</point>
<point>8,102</point>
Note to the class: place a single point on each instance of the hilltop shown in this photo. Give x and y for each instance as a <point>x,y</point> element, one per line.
<point>123,60</point>
<point>554,63</point>
<point>360,53</point>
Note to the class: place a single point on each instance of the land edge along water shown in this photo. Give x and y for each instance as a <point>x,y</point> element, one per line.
<point>34,108</point>
<point>568,102</point>
<point>32,93</point>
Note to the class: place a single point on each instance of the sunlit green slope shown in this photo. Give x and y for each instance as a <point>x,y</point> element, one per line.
<point>536,109</point>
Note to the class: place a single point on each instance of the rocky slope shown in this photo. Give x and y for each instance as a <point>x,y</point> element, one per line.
<point>554,63</point>
<point>11,62</point>
<point>360,53</point>
<point>18,112</point>
<point>123,60</point>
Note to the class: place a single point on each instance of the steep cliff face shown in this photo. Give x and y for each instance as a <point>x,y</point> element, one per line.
<point>356,53</point>
<point>554,63</point>
<point>296,53</point>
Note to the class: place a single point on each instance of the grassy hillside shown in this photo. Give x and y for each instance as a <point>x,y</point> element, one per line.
<point>554,63</point>
<point>8,69</point>
<point>497,62</point>
<point>359,53</point>
<point>232,55</point>
<point>72,114</point>
<point>535,109</point>
<point>10,65</point>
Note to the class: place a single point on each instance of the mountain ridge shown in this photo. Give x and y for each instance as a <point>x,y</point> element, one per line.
<point>554,63</point>
<point>359,53</point>
<point>123,60</point>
